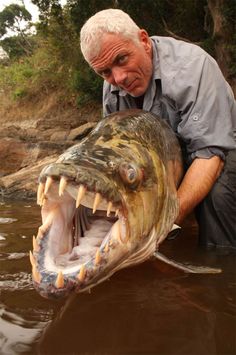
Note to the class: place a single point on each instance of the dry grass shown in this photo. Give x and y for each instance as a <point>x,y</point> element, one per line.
<point>52,106</point>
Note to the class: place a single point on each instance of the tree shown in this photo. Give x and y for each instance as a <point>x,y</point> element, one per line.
<point>48,9</point>
<point>11,19</point>
<point>223,34</point>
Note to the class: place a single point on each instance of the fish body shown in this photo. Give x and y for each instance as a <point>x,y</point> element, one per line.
<point>107,203</point>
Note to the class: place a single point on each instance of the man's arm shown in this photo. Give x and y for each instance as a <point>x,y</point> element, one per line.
<point>197,182</point>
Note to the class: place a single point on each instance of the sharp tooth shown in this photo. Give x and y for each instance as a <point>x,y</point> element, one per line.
<point>116,231</point>
<point>106,249</point>
<point>36,247</point>
<point>40,193</point>
<point>35,274</point>
<point>60,280</point>
<point>109,207</point>
<point>47,223</point>
<point>62,185</point>
<point>82,273</point>
<point>49,182</point>
<point>81,193</point>
<point>43,201</point>
<point>42,229</point>
<point>117,212</point>
<point>97,200</point>
<point>97,258</point>
<point>40,233</point>
<point>32,259</point>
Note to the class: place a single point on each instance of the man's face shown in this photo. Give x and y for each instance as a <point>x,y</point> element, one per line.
<point>125,63</point>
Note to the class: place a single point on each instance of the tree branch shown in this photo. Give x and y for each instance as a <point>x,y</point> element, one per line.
<point>174,35</point>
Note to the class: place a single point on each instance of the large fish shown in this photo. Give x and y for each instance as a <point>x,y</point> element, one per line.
<point>107,203</point>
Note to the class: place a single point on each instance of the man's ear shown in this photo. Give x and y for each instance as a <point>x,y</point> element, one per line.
<point>145,40</point>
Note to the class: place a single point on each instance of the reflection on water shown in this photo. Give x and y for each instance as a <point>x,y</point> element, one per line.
<point>23,313</point>
<point>148,309</point>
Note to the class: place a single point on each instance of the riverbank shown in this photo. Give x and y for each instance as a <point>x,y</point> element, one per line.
<point>33,133</point>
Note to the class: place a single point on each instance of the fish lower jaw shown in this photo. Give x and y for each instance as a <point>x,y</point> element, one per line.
<point>55,274</point>
<point>55,281</point>
<point>73,259</point>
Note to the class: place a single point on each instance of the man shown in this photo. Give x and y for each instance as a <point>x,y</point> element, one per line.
<point>181,83</point>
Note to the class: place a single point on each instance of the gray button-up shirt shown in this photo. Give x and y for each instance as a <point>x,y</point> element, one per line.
<point>189,91</point>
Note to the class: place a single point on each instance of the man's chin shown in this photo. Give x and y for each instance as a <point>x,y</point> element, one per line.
<point>136,92</point>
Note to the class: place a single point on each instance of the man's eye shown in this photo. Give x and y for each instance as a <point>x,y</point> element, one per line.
<point>122,59</point>
<point>104,73</point>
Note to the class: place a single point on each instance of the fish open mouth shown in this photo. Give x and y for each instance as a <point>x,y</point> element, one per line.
<point>90,231</point>
<point>79,232</point>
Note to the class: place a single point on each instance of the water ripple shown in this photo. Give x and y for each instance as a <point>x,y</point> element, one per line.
<point>17,334</point>
<point>18,281</point>
<point>7,220</point>
<point>2,236</point>
<point>12,256</point>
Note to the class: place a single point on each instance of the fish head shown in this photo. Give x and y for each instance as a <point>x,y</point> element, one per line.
<point>107,202</point>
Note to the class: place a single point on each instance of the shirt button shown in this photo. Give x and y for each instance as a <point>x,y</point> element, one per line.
<point>195,117</point>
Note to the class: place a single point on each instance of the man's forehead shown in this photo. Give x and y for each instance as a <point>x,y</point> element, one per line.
<point>110,46</point>
<point>113,39</point>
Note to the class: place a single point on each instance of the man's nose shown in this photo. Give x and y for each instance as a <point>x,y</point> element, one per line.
<point>119,75</point>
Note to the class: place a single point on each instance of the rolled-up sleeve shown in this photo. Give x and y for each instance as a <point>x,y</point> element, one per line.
<point>206,108</point>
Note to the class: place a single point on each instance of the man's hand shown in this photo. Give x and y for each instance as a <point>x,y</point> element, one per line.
<point>197,182</point>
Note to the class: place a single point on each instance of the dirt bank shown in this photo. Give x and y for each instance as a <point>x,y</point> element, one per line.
<point>33,133</point>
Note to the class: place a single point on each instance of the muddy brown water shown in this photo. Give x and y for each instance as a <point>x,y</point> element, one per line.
<point>148,309</point>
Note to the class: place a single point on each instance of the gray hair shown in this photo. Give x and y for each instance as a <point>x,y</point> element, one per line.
<point>105,21</point>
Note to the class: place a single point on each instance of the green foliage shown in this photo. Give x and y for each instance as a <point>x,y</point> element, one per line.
<point>49,69</point>
<point>49,66</point>
<point>87,84</point>
<point>19,93</point>
<point>182,17</point>
<point>81,10</point>
<point>229,11</point>
<point>209,45</point>
<point>232,50</point>
<point>16,46</point>
<point>11,20</point>
<point>12,47</point>
<point>14,79</point>
<point>187,19</point>
<point>48,9</point>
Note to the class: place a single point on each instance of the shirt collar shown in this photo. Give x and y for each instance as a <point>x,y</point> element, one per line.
<point>155,61</point>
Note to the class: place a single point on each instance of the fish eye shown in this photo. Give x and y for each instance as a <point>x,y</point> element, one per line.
<point>130,174</point>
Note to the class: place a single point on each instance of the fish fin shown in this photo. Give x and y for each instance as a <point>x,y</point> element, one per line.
<point>186,267</point>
